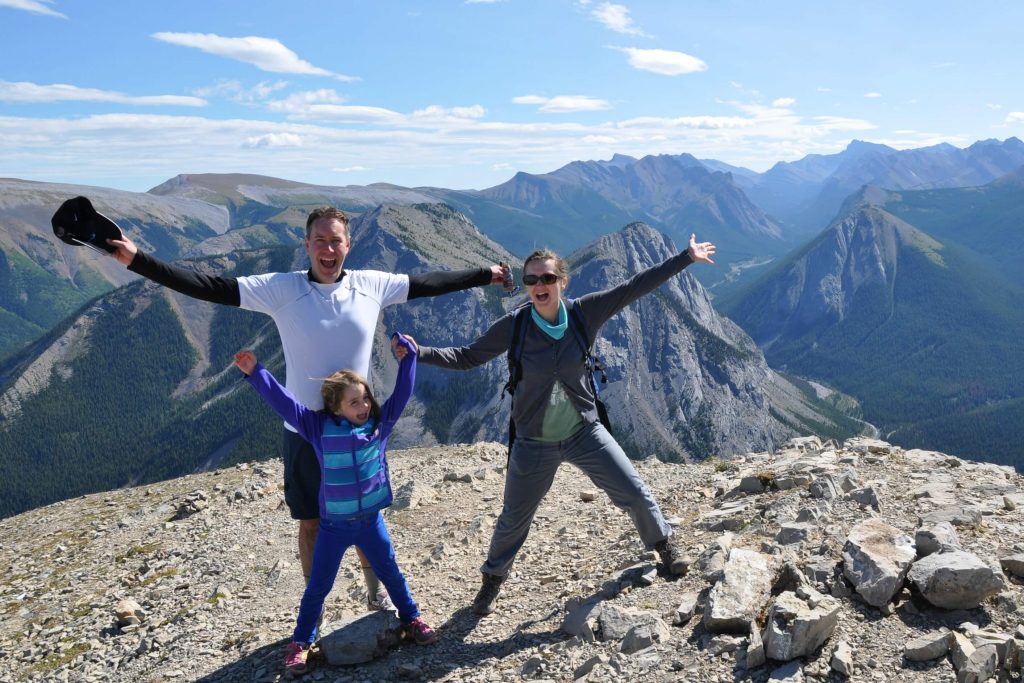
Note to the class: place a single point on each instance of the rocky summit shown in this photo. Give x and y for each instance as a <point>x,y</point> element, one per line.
<point>818,562</point>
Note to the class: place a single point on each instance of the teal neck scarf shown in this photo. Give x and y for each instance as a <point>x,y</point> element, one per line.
<point>553,331</point>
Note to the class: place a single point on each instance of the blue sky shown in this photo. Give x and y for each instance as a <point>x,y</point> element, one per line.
<point>462,94</point>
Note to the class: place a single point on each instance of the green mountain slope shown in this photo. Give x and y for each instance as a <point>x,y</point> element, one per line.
<point>91,410</point>
<point>988,220</point>
<point>919,330</point>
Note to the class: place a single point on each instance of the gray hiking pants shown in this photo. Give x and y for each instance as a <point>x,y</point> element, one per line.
<point>531,470</point>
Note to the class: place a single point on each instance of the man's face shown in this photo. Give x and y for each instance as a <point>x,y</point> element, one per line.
<point>327,247</point>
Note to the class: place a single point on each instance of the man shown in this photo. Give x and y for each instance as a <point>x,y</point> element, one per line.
<point>325,318</point>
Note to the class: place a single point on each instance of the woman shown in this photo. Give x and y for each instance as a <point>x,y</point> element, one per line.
<point>555,414</point>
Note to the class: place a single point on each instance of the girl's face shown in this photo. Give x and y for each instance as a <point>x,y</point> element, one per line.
<point>545,297</point>
<point>355,404</point>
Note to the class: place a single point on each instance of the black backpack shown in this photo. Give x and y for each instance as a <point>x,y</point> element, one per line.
<point>577,323</point>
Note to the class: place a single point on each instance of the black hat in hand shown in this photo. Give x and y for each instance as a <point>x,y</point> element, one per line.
<point>77,222</point>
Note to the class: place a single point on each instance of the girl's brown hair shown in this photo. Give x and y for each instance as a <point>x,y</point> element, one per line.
<point>333,389</point>
<point>544,255</point>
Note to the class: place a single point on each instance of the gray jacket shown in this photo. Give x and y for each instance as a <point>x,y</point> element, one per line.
<point>545,360</point>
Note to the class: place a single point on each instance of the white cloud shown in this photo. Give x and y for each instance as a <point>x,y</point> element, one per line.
<point>695,122</point>
<point>1015,117</point>
<point>784,102</point>
<point>300,102</point>
<point>529,99</point>
<point>824,89</point>
<point>872,95</point>
<point>34,6</point>
<point>842,123</point>
<point>563,104</point>
<point>350,169</point>
<point>738,86</point>
<point>480,2</point>
<point>664,62</point>
<point>994,106</point>
<point>274,140</point>
<point>616,17</point>
<point>236,92</point>
<point>436,112</point>
<point>349,114</point>
<point>438,145</point>
<point>266,54</point>
<point>33,93</point>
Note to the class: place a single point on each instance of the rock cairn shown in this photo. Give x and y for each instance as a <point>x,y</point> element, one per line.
<point>821,562</point>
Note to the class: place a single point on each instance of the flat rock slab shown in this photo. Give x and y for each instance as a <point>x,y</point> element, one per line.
<point>736,600</point>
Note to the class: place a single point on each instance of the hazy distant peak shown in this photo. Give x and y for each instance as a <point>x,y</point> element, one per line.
<point>218,182</point>
<point>861,147</point>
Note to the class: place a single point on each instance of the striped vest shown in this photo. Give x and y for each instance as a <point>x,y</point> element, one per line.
<point>355,470</point>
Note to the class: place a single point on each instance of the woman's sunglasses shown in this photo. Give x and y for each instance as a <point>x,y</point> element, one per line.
<point>547,279</point>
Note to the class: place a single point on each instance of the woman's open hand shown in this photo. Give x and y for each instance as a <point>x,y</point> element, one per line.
<point>700,251</point>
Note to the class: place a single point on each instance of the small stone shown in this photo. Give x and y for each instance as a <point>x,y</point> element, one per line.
<point>842,658</point>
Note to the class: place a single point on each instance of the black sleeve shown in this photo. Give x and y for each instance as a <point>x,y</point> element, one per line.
<point>217,290</point>
<point>446,282</point>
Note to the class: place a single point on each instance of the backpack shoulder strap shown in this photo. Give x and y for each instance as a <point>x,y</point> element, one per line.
<point>520,318</point>
<point>578,324</point>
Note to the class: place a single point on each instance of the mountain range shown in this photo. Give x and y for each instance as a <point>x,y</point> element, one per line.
<point>139,385</point>
<point>753,217</point>
<point>886,276</point>
<point>806,194</point>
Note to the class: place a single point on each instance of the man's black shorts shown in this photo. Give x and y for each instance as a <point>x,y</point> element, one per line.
<point>301,476</point>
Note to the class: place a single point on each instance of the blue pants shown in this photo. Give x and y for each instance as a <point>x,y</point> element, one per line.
<point>531,470</point>
<point>369,535</point>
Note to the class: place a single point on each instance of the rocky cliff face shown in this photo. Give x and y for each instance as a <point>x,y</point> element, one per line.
<point>817,562</point>
<point>684,381</point>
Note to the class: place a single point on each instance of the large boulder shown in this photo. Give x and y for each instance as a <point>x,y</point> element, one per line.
<point>876,558</point>
<point>956,580</point>
<point>797,627</point>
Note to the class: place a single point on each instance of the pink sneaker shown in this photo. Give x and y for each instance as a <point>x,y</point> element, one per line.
<point>418,632</point>
<point>295,659</point>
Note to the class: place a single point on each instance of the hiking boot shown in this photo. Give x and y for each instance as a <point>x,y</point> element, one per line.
<point>295,659</point>
<point>382,603</point>
<point>418,632</point>
<point>487,597</point>
<point>672,556</point>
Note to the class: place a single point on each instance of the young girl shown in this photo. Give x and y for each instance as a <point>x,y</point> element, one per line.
<point>349,437</point>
